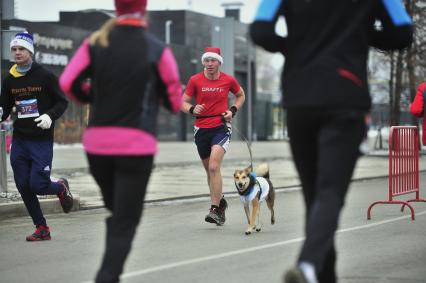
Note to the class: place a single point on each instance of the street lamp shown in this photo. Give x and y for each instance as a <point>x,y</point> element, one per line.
<point>249,88</point>
<point>167,32</point>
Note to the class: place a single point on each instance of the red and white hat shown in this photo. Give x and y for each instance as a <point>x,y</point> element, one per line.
<point>123,7</point>
<point>212,52</point>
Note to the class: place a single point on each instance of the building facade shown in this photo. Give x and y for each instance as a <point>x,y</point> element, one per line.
<point>187,33</point>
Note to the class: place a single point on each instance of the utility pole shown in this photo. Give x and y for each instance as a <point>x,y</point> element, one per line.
<point>7,12</point>
<point>1,40</point>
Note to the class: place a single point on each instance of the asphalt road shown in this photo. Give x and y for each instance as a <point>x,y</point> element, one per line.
<point>174,244</point>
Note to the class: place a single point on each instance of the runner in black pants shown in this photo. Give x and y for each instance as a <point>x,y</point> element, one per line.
<point>324,144</point>
<point>325,92</point>
<point>123,181</point>
<point>125,74</point>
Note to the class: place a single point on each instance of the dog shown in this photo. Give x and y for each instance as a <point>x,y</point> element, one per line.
<point>255,187</point>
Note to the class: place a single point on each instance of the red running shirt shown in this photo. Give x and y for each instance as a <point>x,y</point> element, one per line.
<point>213,94</point>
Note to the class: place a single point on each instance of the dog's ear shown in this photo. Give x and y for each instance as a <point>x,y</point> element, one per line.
<point>249,169</point>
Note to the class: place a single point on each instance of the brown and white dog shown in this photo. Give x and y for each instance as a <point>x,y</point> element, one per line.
<point>254,187</point>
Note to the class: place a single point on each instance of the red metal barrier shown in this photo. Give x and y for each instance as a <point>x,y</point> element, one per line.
<point>403,167</point>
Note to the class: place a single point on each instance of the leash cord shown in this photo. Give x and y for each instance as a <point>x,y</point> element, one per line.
<point>248,143</point>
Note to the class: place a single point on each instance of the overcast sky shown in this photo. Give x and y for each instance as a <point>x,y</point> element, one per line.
<point>48,10</point>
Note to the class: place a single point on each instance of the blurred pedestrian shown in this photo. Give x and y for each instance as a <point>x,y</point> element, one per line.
<point>418,106</point>
<point>124,73</point>
<point>326,95</point>
<point>212,130</point>
<point>35,93</point>
<point>7,126</point>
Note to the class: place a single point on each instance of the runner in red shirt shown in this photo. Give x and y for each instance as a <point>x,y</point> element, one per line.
<point>212,128</point>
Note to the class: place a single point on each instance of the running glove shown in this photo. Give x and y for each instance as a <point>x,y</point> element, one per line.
<point>44,121</point>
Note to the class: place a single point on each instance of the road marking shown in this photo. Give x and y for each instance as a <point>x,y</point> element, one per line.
<point>248,250</point>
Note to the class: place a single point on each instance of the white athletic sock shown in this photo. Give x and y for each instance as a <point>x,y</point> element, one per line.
<point>308,269</point>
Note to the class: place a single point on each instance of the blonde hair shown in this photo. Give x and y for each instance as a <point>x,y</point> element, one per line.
<point>100,37</point>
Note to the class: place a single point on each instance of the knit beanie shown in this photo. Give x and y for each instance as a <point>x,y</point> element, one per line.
<point>23,39</point>
<point>123,7</point>
<point>212,52</point>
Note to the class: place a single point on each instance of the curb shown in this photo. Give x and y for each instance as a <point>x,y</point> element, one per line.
<point>52,205</point>
<point>49,206</point>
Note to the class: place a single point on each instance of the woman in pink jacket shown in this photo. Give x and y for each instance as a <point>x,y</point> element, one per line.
<point>125,74</point>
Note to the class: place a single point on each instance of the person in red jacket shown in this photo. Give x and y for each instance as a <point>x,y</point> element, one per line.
<point>417,108</point>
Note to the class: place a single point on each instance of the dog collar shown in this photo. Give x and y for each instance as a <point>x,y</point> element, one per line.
<point>252,182</point>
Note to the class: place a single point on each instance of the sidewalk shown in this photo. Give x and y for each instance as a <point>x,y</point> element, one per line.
<point>178,173</point>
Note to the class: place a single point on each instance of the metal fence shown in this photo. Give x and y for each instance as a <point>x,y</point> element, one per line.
<point>403,168</point>
<point>3,168</point>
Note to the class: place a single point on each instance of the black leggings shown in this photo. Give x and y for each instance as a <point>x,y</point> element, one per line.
<point>123,181</point>
<point>325,147</point>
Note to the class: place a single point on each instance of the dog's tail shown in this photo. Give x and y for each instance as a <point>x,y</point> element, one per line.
<point>262,170</point>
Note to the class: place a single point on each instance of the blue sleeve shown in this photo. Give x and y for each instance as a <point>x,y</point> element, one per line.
<point>397,12</point>
<point>267,10</point>
<point>397,29</point>
<point>262,30</point>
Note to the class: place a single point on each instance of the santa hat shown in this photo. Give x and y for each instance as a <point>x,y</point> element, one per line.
<point>23,39</point>
<point>123,7</point>
<point>212,52</point>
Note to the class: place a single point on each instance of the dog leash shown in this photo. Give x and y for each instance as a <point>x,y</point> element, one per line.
<point>248,143</point>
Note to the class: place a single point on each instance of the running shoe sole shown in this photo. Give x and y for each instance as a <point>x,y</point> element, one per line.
<point>212,220</point>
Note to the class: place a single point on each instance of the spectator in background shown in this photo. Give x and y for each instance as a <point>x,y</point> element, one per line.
<point>131,72</point>
<point>7,126</point>
<point>418,106</point>
<point>326,95</point>
<point>35,93</point>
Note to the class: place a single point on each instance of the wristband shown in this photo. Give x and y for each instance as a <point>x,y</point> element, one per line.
<point>234,110</point>
<point>191,110</point>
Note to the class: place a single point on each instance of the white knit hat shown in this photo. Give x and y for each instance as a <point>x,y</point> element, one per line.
<point>212,52</point>
<point>23,39</point>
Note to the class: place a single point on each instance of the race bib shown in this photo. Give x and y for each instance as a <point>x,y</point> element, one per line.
<point>27,108</point>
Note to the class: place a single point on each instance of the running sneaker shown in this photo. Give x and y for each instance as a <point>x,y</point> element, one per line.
<point>42,233</point>
<point>65,197</point>
<point>223,205</point>
<point>215,216</point>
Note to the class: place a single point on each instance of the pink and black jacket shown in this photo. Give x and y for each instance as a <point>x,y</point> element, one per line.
<point>125,82</point>
<point>418,106</point>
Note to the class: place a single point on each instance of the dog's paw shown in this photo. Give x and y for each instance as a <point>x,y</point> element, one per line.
<point>248,232</point>
<point>258,229</point>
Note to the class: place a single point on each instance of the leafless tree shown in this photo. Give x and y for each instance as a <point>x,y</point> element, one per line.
<point>406,68</point>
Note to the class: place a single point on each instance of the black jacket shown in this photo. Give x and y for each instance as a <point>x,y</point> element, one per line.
<point>131,74</point>
<point>39,84</point>
<point>326,49</point>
